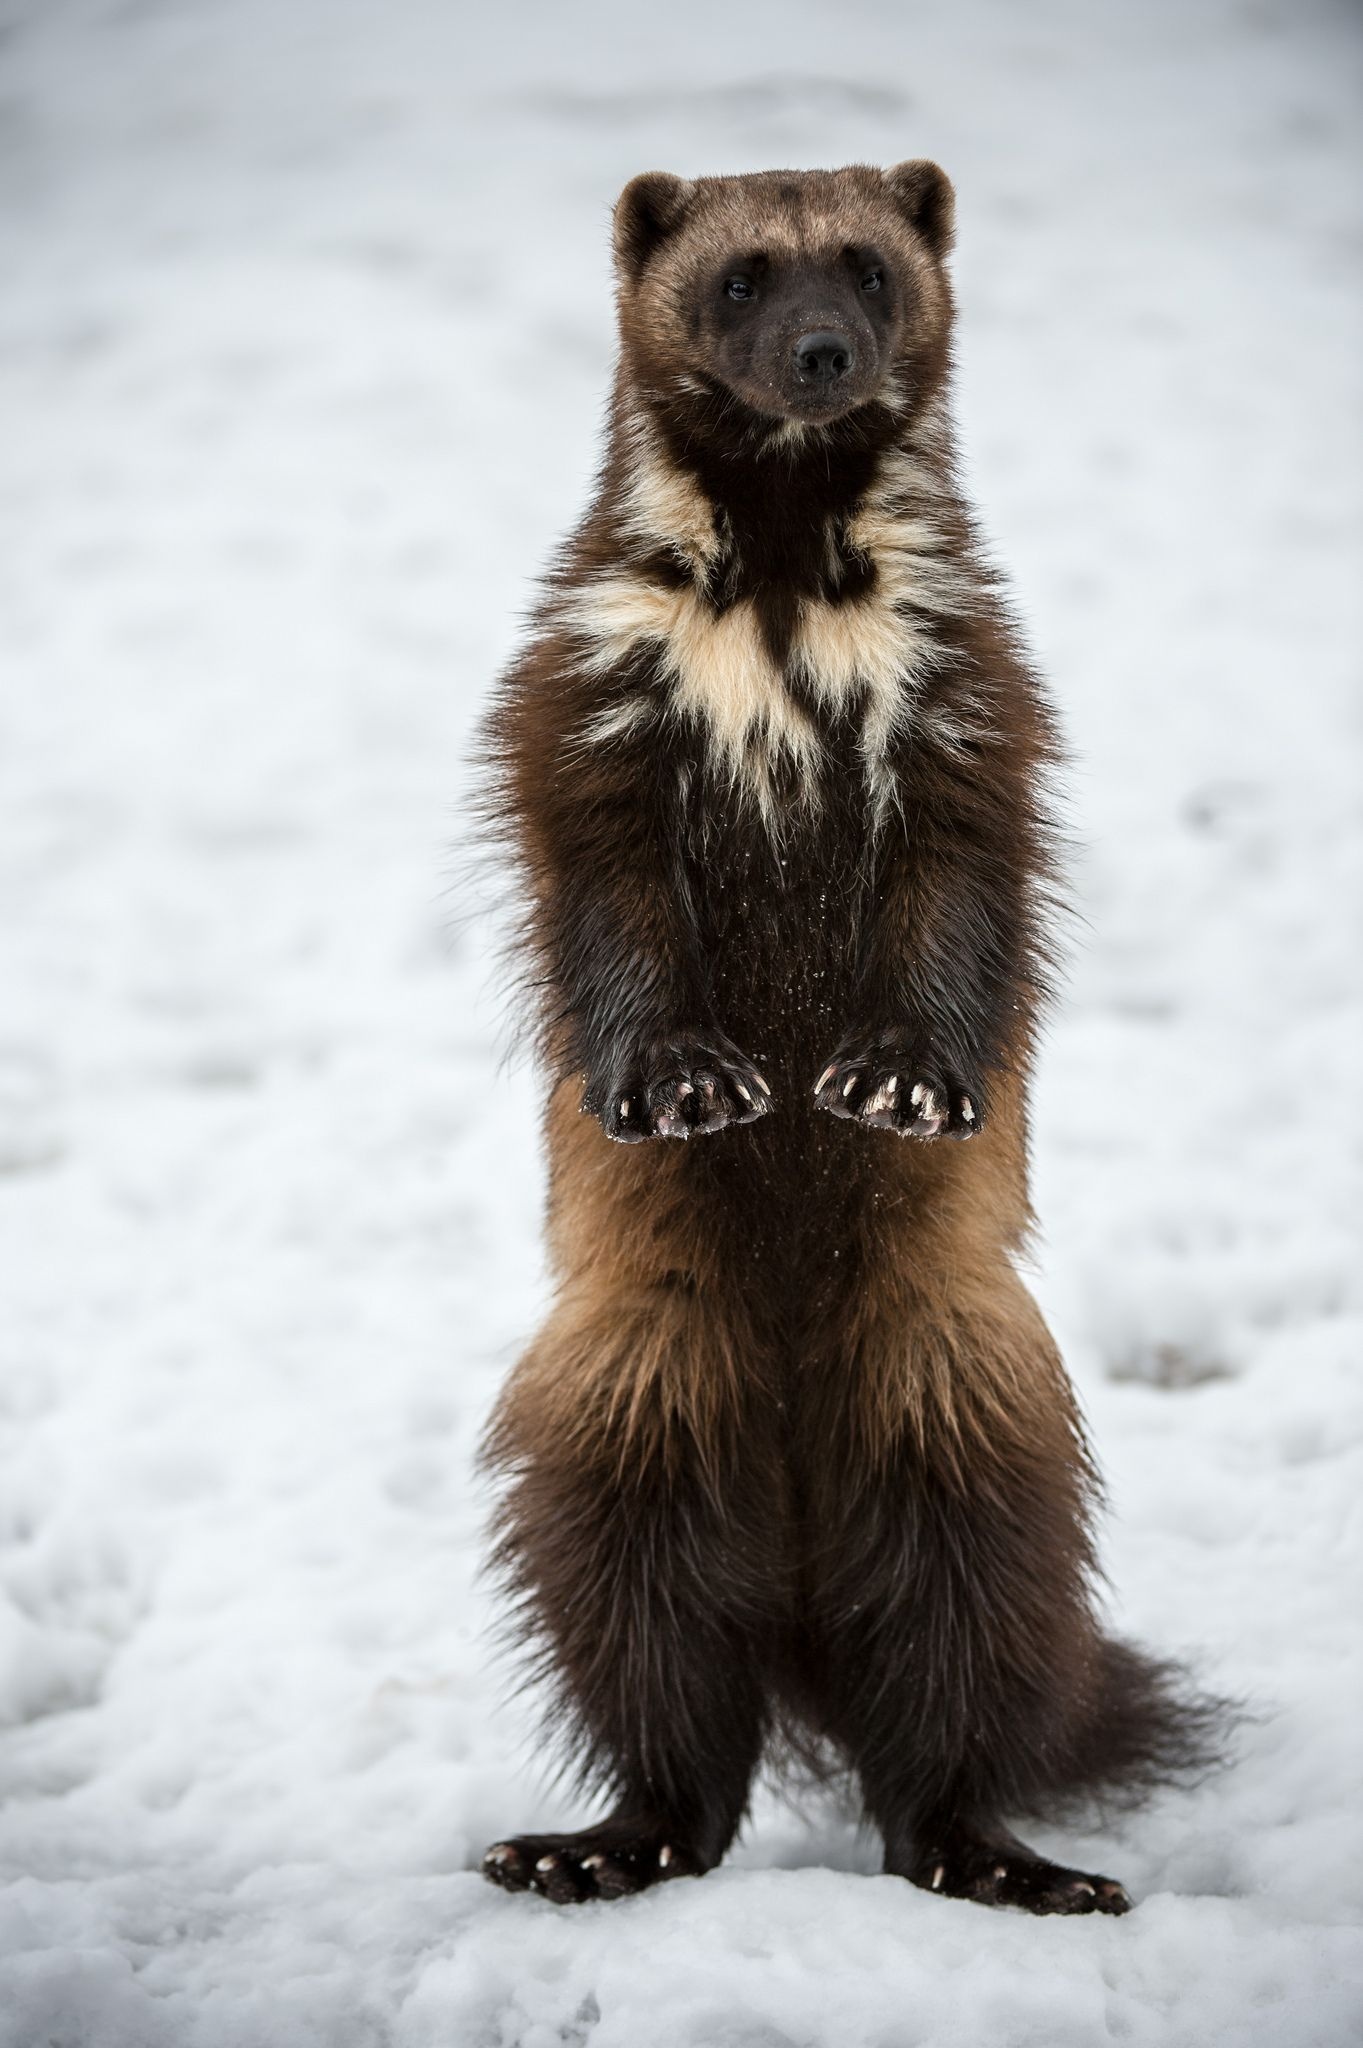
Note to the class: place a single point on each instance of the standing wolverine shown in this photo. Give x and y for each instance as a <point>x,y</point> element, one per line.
<point>794,1448</point>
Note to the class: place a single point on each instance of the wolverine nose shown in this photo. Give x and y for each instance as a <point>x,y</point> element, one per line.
<point>823,357</point>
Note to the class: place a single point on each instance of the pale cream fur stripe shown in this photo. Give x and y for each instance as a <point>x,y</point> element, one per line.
<point>718,665</point>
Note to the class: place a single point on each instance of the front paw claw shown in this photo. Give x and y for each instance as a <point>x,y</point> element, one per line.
<point>685,1088</point>
<point>895,1087</point>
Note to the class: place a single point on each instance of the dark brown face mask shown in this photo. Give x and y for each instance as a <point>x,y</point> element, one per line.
<point>801,337</point>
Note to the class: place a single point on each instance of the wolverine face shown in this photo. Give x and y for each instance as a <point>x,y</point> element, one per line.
<point>801,334</point>
<point>802,296</point>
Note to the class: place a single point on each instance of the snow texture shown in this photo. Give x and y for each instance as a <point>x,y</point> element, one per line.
<point>304,337</point>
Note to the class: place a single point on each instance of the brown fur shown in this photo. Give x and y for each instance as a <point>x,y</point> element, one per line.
<point>794,1446</point>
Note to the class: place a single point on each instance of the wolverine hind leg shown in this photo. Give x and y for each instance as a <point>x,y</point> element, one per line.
<point>962,1666</point>
<point>640,1582</point>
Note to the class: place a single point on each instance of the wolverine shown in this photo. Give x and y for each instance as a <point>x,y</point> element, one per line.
<point>794,1465</point>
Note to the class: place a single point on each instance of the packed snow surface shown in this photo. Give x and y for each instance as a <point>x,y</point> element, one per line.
<point>304,338</point>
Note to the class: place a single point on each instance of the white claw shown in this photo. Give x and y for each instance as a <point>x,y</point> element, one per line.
<point>826,1076</point>
<point>917,1093</point>
<point>501,1852</point>
<point>967,1109</point>
<point>1082,1887</point>
<point>848,1085</point>
<point>685,1088</point>
<point>761,1084</point>
<point>593,1862</point>
<point>892,1086</point>
<point>743,1091</point>
<point>624,1105</point>
<point>547,1863</point>
<point>1000,1870</point>
<point>938,1874</point>
<point>664,1857</point>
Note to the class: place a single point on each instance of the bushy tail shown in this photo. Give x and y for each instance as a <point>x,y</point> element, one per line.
<point>1149,1726</point>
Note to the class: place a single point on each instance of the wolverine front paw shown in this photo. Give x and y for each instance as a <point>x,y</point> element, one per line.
<point>681,1088</point>
<point>887,1080</point>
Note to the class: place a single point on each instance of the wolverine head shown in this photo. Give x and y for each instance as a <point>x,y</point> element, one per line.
<point>798,296</point>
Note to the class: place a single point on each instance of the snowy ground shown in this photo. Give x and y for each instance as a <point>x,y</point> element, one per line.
<point>303,338</point>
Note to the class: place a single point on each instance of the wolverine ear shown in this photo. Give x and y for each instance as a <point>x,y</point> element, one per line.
<point>925,197</point>
<point>650,208</point>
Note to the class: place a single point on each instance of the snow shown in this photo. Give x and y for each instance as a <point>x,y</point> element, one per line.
<point>303,340</point>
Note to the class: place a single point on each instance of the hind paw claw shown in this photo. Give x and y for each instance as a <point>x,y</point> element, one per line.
<point>1012,1875</point>
<point>605,1862</point>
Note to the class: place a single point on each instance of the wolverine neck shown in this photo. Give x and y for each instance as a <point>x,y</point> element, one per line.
<point>712,494</point>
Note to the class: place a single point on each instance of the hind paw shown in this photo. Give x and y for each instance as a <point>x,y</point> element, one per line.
<point>609,1861</point>
<point>1009,1874</point>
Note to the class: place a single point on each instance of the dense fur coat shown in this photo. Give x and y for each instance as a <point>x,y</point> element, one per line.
<point>794,1450</point>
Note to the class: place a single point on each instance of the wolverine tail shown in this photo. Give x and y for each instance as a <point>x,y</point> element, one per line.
<point>1148,1726</point>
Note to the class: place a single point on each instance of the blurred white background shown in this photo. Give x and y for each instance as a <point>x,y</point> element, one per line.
<point>305,334</point>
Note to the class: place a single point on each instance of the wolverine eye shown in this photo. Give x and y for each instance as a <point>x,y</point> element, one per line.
<point>739,288</point>
<point>873,280</point>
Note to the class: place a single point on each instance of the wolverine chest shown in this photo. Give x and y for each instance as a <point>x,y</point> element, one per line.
<point>771,695</point>
<point>777,669</point>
